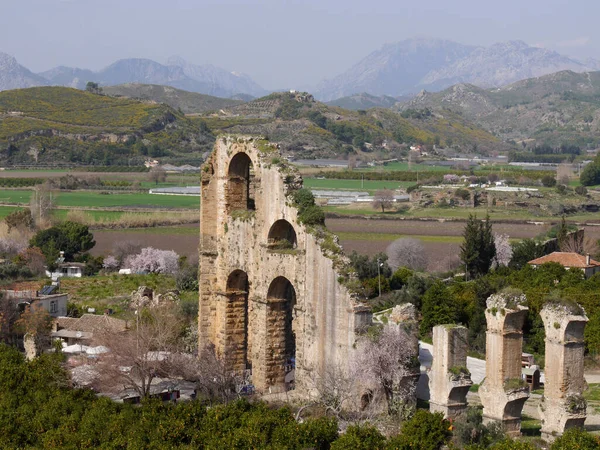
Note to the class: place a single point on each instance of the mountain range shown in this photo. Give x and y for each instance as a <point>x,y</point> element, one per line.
<point>395,70</point>
<point>434,64</point>
<point>178,73</point>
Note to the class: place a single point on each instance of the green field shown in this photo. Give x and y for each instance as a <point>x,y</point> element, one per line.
<point>403,166</point>
<point>354,185</point>
<point>86,199</point>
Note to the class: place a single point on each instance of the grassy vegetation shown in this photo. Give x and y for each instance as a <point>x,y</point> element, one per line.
<point>455,213</point>
<point>404,166</point>
<point>355,185</point>
<point>349,236</point>
<point>109,286</point>
<point>167,230</point>
<point>75,107</point>
<point>91,199</point>
<point>530,426</point>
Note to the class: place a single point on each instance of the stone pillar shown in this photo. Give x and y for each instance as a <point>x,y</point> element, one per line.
<point>449,378</point>
<point>563,405</point>
<point>503,392</point>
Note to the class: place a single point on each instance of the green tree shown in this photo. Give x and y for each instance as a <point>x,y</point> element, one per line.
<point>424,431</point>
<point>69,237</point>
<point>478,249</point>
<point>92,87</point>
<point>590,175</point>
<point>525,251</point>
<point>438,307</point>
<point>548,181</point>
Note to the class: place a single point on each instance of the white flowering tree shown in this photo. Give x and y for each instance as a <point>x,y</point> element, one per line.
<point>503,250</point>
<point>388,362</point>
<point>153,260</point>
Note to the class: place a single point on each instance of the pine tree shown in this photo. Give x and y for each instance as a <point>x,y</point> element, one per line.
<point>478,249</point>
<point>469,250</point>
<point>487,248</point>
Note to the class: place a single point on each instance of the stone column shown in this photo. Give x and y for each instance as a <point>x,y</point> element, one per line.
<point>449,378</point>
<point>503,392</point>
<point>563,405</point>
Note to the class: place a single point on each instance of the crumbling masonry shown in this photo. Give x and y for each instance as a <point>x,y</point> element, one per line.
<point>563,405</point>
<point>503,392</point>
<point>271,300</point>
<point>449,379</point>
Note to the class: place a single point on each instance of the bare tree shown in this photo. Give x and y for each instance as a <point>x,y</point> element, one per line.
<point>37,323</point>
<point>122,249</point>
<point>578,243</point>
<point>389,362</point>
<point>42,203</point>
<point>334,388</point>
<point>157,174</point>
<point>214,380</point>
<point>140,355</point>
<point>383,199</point>
<point>407,252</point>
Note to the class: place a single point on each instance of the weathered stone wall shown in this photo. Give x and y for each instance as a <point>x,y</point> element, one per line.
<point>293,295</point>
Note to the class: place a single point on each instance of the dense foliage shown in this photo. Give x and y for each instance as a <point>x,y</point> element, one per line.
<point>38,409</point>
<point>71,238</point>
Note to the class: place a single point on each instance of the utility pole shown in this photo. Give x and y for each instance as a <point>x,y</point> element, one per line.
<point>379,264</point>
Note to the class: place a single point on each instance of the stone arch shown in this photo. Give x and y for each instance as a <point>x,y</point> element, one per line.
<point>282,235</point>
<point>237,345</point>
<point>241,187</point>
<point>281,334</point>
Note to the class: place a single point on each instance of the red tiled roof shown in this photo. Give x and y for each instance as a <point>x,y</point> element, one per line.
<point>567,259</point>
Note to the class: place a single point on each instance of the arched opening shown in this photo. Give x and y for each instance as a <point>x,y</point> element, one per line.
<point>281,345</point>
<point>241,187</point>
<point>282,236</point>
<point>237,343</point>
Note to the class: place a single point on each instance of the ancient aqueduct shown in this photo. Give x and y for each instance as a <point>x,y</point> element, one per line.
<point>282,313</point>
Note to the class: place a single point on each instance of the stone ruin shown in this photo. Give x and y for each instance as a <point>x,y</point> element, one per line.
<point>503,392</point>
<point>144,297</point>
<point>449,378</point>
<point>271,303</point>
<point>563,406</point>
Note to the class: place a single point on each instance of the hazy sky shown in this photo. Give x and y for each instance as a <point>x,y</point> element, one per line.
<point>280,43</point>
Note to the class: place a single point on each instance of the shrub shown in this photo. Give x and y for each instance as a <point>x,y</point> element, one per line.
<point>425,431</point>
<point>462,194</point>
<point>576,438</point>
<point>312,215</point>
<point>358,437</point>
<point>548,181</point>
<point>19,219</point>
<point>581,190</point>
<point>304,198</point>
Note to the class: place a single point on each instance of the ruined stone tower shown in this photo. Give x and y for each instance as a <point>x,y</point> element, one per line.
<point>503,392</point>
<point>563,405</point>
<point>449,380</point>
<point>271,298</point>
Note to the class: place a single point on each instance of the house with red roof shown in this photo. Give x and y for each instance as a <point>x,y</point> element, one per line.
<point>570,260</point>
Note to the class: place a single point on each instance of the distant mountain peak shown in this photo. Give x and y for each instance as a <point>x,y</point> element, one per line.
<point>434,64</point>
<point>15,76</point>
